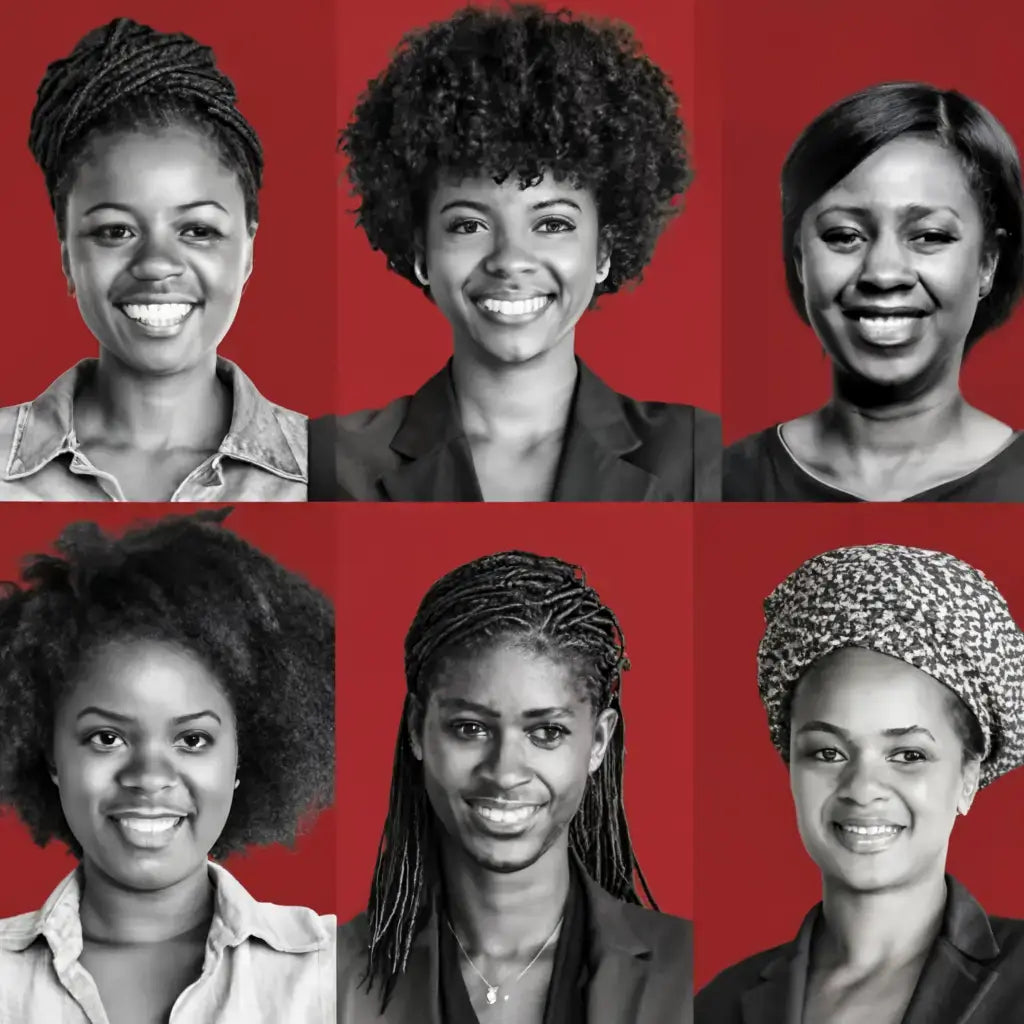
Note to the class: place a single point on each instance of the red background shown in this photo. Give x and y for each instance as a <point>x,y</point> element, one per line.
<point>789,61</point>
<point>756,881</point>
<point>657,342</point>
<point>301,539</point>
<point>639,560</point>
<point>282,66</point>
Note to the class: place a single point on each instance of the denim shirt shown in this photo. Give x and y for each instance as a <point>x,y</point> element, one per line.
<point>262,456</point>
<point>263,964</point>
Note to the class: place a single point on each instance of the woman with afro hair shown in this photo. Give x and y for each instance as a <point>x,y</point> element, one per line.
<point>153,175</point>
<point>506,887</point>
<point>516,164</point>
<point>166,696</point>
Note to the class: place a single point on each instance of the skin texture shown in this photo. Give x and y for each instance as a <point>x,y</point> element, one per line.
<point>854,772</point>
<point>104,764</point>
<point>487,239</point>
<point>903,229</point>
<point>143,243</point>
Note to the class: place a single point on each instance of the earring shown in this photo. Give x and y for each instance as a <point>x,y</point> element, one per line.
<point>420,273</point>
<point>71,289</point>
<point>237,783</point>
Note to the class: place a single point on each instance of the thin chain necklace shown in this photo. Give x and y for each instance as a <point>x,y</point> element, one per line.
<point>492,990</point>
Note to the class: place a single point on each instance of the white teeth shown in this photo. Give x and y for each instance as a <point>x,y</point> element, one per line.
<point>150,826</point>
<point>871,830</point>
<point>518,308</point>
<point>509,817</point>
<point>158,314</point>
<point>885,327</point>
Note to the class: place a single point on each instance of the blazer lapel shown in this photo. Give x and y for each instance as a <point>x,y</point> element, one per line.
<point>593,467</point>
<point>778,998</point>
<point>440,467</point>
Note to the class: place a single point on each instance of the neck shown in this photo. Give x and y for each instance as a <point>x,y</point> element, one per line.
<point>504,915</point>
<point>113,913</point>
<point>520,402</point>
<point>869,930</point>
<point>190,409</point>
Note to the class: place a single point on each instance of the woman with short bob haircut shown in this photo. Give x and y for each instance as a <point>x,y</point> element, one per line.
<point>166,695</point>
<point>893,680</point>
<point>505,887</point>
<point>515,165</point>
<point>153,175</point>
<point>902,235</point>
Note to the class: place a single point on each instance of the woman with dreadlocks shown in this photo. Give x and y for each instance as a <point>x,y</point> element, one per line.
<point>514,164</point>
<point>153,175</point>
<point>504,889</point>
<point>166,695</point>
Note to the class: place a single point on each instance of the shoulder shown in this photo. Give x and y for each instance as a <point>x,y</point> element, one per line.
<point>743,465</point>
<point>718,1002</point>
<point>353,938</point>
<point>670,937</point>
<point>1009,933</point>
<point>10,416</point>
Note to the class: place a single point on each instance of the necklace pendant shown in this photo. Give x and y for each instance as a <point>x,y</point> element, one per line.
<point>492,994</point>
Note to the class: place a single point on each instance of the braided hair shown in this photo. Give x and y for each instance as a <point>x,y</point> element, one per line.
<point>547,605</point>
<point>126,77</point>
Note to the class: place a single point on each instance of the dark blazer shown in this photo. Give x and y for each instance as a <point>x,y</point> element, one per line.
<point>641,969</point>
<point>616,449</point>
<point>974,974</point>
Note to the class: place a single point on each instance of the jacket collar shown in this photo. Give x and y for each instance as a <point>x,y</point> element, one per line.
<point>254,434</point>
<point>592,467</point>
<point>954,978</point>
<point>237,917</point>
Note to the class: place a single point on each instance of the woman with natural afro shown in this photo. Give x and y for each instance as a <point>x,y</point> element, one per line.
<point>154,176</point>
<point>506,887</point>
<point>515,164</point>
<point>166,695</point>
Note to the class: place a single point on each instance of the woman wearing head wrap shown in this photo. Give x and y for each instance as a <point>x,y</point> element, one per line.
<point>505,885</point>
<point>153,176</point>
<point>893,680</point>
<point>903,243</point>
<point>514,165</point>
<point>166,696</point>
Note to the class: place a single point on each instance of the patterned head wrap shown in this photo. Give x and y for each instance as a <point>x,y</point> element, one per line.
<point>926,608</point>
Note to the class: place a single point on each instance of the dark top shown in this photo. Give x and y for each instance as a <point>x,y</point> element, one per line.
<point>616,449</point>
<point>974,974</point>
<point>567,991</point>
<point>638,963</point>
<point>760,468</point>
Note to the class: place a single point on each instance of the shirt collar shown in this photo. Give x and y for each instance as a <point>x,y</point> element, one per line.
<point>254,435</point>
<point>237,917</point>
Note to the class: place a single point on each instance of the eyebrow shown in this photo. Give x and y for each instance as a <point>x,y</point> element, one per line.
<point>460,704</point>
<point>544,204</point>
<point>116,716</point>
<point>125,208</point>
<point>913,211</point>
<point>895,732</point>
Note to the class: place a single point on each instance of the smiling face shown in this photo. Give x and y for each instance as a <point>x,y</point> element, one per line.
<point>508,741</point>
<point>157,248</point>
<point>893,262</point>
<point>512,269</point>
<point>145,756</point>
<point>877,770</point>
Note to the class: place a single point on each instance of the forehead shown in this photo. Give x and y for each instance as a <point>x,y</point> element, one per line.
<point>508,194</point>
<point>160,168</point>
<point>510,680</point>
<point>146,679</point>
<point>909,171</point>
<point>864,693</point>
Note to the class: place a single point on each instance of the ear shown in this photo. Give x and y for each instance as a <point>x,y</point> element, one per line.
<point>604,729</point>
<point>414,724</point>
<point>798,263</point>
<point>419,259</point>
<point>990,264</point>
<point>249,255</point>
<point>604,257</point>
<point>969,788</point>
<point>65,266</point>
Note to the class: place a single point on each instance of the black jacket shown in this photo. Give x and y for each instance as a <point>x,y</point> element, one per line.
<point>974,974</point>
<point>616,449</point>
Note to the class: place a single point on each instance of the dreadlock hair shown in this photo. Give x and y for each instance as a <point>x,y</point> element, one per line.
<point>264,632</point>
<point>546,606</point>
<point>128,77</point>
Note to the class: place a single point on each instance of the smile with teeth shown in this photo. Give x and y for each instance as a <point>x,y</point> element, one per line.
<point>517,307</point>
<point>147,826</point>
<point>506,816</point>
<point>872,830</point>
<point>157,314</point>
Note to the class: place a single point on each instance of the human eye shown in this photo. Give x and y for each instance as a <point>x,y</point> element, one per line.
<point>465,729</point>
<point>828,755</point>
<point>112,234</point>
<point>198,232</point>
<point>555,226</point>
<point>909,756</point>
<point>104,739</point>
<point>548,735</point>
<point>466,226</point>
<point>842,239</point>
<point>194,741</point>
<point>933,238</point>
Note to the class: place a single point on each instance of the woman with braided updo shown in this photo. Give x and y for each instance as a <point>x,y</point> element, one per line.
<point>514,165</point>
<point>504,888</point>
<point>154,176</point>
<point>166,696</point>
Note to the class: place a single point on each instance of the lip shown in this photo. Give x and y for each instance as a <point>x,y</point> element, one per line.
<point>149,840</point>
<point>874,835</point>
<point>510,317</point>
<point>158,330</point>
<point>523,815</point>
<point>886,327</point>
<point>856,312</point>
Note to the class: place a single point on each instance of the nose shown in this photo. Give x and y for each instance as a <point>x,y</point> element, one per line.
<point>156,257</point>
<point>860,781</point>
<point>886,265</point>
<point>509,256</point>
<point>148,770</point>
<point>506,766</point>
